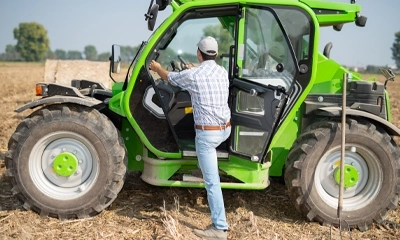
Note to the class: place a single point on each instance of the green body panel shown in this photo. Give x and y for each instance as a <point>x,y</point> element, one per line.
<point>115,104</point>
<point>388,107</point>
<point>283,141</point>
<point>329,76</point>
<point>333,13</point>
<point>253,176</point>
<point>117,87</point>
<point>326,78</point>
<point>134,146</point>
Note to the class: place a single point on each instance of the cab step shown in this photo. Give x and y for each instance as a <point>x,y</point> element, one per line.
<point>191,178</point>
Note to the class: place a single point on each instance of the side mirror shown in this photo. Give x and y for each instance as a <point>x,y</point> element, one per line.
<point>152,17</point>
<point>327,49</point>
<point>361,21</point>
<point>338,27</point>
<point>116,59</point>
<point>162,4</point>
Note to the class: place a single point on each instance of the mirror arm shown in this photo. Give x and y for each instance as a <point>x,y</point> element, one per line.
<point>148,15</point>
<point>110,71</point>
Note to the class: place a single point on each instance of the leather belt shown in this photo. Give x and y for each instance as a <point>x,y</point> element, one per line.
<point>221,127</point>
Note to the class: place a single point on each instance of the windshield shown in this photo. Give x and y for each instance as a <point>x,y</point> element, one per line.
<point>179,44</point>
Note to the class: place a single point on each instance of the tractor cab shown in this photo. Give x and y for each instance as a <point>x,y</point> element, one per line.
<point>262,62</point>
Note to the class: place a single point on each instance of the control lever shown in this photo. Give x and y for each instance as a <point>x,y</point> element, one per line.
<point>172,63</point>
<point>183,62</point>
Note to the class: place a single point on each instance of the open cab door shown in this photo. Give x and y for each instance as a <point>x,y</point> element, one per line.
<point>262,78</point>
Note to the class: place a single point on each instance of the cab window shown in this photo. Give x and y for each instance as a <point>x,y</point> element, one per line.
<point>183,45</point>
<point>267,57</point>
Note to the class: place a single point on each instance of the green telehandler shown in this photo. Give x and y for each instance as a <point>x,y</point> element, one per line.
<point>69,158</point>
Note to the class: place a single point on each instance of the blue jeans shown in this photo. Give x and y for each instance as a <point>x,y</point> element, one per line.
<point>206,143</point>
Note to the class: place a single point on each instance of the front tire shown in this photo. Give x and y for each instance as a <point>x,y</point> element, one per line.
<point>372,173</point>
<point>66,161</point>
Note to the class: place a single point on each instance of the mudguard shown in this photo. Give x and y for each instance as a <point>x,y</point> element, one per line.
<point>86,101</point>
<point>337,111</point>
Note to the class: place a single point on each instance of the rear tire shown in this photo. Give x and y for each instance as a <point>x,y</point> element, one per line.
<point>371,162</point>
<point>66,161</point>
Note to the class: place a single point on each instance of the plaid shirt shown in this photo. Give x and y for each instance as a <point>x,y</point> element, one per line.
<point>208,86</point>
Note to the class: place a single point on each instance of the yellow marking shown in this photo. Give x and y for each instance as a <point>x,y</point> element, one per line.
<point>337,163</point>
<point>188,110</point>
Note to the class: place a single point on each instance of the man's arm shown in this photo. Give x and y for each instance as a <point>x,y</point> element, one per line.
<point>156,67</point>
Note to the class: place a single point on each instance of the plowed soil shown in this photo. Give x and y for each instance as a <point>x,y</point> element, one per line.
<point>142,211</point>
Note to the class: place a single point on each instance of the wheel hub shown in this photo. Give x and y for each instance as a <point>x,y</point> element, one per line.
<point>356,174</point>
<point>65,164</point>
<point>351,176</point>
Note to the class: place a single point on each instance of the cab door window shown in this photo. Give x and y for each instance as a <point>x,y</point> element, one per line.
<point>267,69</point>
<point>267,57</point>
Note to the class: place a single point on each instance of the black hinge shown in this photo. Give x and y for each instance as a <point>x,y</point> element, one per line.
<point>240,12</point>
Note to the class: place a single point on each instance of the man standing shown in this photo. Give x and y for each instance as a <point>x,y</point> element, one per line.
<point>208,86</point>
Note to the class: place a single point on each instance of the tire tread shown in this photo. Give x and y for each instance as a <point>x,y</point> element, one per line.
<point>97,121</point>
<point>306,143</point>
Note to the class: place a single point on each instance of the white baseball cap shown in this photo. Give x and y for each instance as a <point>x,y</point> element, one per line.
<point>208,46</point>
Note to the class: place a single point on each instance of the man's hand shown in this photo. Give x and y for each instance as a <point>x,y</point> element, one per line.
<point>189,65</point>
<point>155,66</point>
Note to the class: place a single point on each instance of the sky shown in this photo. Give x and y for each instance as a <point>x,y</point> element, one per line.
<point>74,24</point>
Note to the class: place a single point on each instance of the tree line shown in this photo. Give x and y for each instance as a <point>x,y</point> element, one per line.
<point>33,45</point>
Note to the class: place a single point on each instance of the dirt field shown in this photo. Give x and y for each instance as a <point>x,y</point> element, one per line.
<point>142,211</point>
